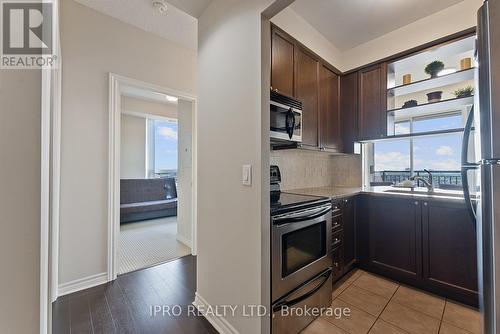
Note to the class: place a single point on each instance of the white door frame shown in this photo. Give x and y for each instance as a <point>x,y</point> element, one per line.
<point>116,82</point>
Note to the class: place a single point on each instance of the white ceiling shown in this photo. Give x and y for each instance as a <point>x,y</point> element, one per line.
<point>349,23</point>
<point>178,26</point>
<point>193,7</point>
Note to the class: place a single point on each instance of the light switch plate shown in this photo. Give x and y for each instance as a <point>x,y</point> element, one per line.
<point>246,178</point>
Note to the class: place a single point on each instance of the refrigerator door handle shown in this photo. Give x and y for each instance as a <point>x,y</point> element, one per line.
<point>467,166</point>
<point>468,200</point>
<point>466,137</point>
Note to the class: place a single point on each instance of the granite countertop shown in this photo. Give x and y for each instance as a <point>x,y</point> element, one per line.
<point>342,192</point>
<point>332,192</point>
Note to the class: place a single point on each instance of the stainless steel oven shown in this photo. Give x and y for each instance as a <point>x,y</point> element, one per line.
<point>286,119</point>
<point>301,247</point>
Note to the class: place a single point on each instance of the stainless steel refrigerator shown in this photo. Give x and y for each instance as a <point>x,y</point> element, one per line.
<point>481,162</point>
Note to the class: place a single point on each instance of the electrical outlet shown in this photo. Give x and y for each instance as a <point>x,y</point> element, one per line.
<point>246,178</point>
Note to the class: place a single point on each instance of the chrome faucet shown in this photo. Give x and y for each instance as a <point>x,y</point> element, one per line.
<point>429,183</point>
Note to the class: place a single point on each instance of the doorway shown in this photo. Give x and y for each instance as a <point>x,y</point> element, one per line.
<point>152,180</point>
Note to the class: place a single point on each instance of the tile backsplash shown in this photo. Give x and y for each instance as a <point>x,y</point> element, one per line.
<point>309,169</point>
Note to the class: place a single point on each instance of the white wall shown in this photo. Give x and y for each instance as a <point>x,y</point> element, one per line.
<point>301,30</point>
<point>93,45</point>
<point>230,244</point>
<point>149,107</point>
<point>446,22</point>
<point>185,172</point>
<point>20,97</point>
<point>132,147</point>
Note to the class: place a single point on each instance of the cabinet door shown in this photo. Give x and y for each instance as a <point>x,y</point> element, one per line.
<point>450,250</point>
<point>395,237</point>
<point>307,91</point>
<point>349,111</point>
<point>349,230</point>
<point>373,102</point>
<point>329,120</point>
<point>282,64</point>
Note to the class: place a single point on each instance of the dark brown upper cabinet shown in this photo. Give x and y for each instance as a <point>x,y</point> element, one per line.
<point>349,111</point>
<point>307,91</point>
<point>282,63</point>
<point>329,118</point>
<point>298,72</point>
<point>373,102</point>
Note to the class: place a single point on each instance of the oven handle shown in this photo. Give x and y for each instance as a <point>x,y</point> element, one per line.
<point>288,303</point>
<point>298,217</point>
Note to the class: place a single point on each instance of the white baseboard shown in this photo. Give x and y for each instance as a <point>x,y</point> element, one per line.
<point>82,284</point>
<point>184,240</point>
<point>220,324</point>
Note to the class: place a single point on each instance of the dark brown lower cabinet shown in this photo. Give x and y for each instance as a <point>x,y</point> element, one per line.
<point>349,233</point>
<point>343,236</point>
<point>449,249</point>
<point>395,234</point>
<point>430,244</point>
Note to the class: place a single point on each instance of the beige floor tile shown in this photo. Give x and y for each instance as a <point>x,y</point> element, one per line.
<point>322,326</point>
<point>450,329</point>
<point>339,287</point>
<point>354,274</point>
<point>376,284</point>
<point>420,301</point>
<point>358,322</point>
<point>382,327</point>
<point>364,300</point>
<point>410,320</point>
<point>463,317</point>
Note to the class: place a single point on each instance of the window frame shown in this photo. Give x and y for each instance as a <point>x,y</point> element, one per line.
<point>151,143</point>
<point>369,152</point>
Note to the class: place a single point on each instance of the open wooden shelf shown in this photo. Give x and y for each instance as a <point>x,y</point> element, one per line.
<point>415,135</point>
<point>435,107</point>
<point>432,83</point>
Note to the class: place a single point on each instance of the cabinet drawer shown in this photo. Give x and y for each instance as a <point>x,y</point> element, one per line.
<point>336,223</point>
<point>336,209</point>
<point>336,264</point>
<point>336,239</point>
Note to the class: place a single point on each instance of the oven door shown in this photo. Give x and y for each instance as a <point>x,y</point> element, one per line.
<point>301,248</point>
<point>286,122</point>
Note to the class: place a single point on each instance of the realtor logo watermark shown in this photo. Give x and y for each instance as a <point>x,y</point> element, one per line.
<point>28,29</point>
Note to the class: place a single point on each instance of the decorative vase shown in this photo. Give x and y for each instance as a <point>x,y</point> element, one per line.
<point>434,96</point>
<point>406,79</point>
<point>465,64</point>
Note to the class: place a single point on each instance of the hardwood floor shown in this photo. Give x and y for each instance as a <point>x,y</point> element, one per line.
<point>125,305</point>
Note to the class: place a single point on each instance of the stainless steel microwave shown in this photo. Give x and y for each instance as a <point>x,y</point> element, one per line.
<point>286,119</point>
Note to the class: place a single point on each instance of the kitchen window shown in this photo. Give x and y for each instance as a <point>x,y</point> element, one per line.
<point>392,161</point>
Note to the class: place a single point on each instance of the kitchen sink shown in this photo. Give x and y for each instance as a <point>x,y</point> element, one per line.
<point>426,193</point>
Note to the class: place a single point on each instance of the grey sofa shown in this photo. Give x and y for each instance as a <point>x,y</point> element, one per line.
<point>142,199</point>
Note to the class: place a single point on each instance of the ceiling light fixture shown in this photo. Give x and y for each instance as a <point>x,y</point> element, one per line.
<point>172,98</point>
<point>160,6</point>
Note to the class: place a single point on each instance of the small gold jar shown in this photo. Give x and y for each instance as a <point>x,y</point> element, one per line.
<point>406,79</point>
<point>465,64</point>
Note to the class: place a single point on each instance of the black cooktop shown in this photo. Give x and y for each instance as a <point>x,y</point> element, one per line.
<point>282,202</point>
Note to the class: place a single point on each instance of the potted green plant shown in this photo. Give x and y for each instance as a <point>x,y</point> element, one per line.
<point>434,68</point>
<point>464,92</point>
<point>410,103</point>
